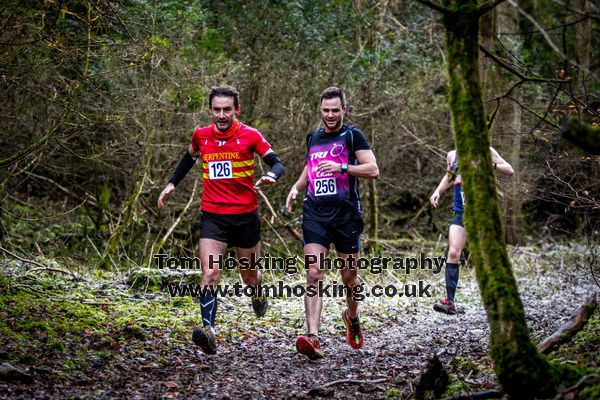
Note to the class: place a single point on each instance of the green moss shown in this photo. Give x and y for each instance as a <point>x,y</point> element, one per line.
<point>134,331</point>
<point>56,345</point>
<point>186,301</point>
<point>27,359</point>
<point>456,387</point>
<point>464,364</point>
<point>149,280</point>
<point>590,393</point>
<point>392,394</point>
<point>584,348</point>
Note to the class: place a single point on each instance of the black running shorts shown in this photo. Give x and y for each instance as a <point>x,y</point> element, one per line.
<point>237,230</point>
<point>345,235</point>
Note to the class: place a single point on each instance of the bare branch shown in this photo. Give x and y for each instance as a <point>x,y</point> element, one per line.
<point>485,7</point>
<point>514,71</point>
<point>547,37</point>
<point>435,6</point>
<point>551,123</point>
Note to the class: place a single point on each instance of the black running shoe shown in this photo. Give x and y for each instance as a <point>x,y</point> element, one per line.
<point>205,339</point>
<point>260,305</point>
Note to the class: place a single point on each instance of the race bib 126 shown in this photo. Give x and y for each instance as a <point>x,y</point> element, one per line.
<point>220,170</point>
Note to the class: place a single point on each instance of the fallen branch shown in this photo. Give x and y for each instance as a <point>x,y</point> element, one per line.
<point>488,394</point>
<point>9,373</point>
<point>575,324</point>
<point>587,380</point>
<point>354,381</point>
<point>42,267</point>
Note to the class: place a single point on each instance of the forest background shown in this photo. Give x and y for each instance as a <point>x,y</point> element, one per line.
<point>99,99</point>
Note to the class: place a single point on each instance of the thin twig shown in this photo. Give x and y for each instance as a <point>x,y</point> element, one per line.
<point>354,381</point>
<point>42,218</point>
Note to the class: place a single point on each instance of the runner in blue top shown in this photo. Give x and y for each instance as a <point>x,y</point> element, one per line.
<point>457,236</point>
<point>337,155</point>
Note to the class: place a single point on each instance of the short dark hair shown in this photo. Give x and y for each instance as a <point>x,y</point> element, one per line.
<point>224,91</point>
<point>332,92</point>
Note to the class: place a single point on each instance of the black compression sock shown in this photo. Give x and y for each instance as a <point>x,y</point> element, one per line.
<point>451,280</point>
<point>208,308</point>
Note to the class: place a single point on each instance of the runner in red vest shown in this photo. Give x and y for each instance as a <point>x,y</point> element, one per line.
<point>229,211</point>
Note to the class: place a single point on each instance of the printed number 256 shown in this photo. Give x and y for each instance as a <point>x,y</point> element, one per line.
<point>325,187</point>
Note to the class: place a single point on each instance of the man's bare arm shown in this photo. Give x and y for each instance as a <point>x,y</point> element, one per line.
<point>500,164</point>
<point>182,170</point>
<point>300,184</point>
<point>445,182</point>
<point>367,167</point>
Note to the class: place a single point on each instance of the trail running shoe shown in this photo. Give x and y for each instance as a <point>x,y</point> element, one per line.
<point>353,331</point>
<point>260,305</point>
<point>205,339</point>
<point>445,306</point>
<point>309,346</point>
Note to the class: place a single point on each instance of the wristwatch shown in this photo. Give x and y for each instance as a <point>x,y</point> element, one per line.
<point>344,168</point>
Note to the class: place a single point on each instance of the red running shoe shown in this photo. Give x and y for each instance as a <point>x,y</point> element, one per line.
<point>353,331</point>
<point>445,306</point>
<point>309,346</point>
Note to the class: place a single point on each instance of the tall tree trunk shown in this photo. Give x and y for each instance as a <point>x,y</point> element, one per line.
<point>372,41</point>
<point>373,200</point>
<point>583,38</point>
<point>521,370</point>
<point>507,130</point>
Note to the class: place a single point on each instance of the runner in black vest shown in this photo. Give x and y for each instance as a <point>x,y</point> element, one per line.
<point>337,155</point>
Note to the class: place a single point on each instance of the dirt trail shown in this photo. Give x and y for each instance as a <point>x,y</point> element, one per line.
<point>261,362</point>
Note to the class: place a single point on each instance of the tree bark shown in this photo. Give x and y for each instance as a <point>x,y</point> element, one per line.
<point>507,131</point>
<point>521,370</point>
<point>583,39</point>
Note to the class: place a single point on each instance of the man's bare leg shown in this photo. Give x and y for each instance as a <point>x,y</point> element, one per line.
<point>313,305</point>
<point>350,279</point>
<point>457,239</point>
<point>350,315</point>
<point>253,276</point>
<point>250,276</point>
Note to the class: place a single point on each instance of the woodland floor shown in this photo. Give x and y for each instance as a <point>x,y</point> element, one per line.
<point>105,340</point>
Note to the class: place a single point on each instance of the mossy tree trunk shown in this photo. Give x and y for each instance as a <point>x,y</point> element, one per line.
<point>521,370</point>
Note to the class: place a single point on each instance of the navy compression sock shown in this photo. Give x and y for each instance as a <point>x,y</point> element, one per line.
<point>451,280</point>
<point>208,307</point>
